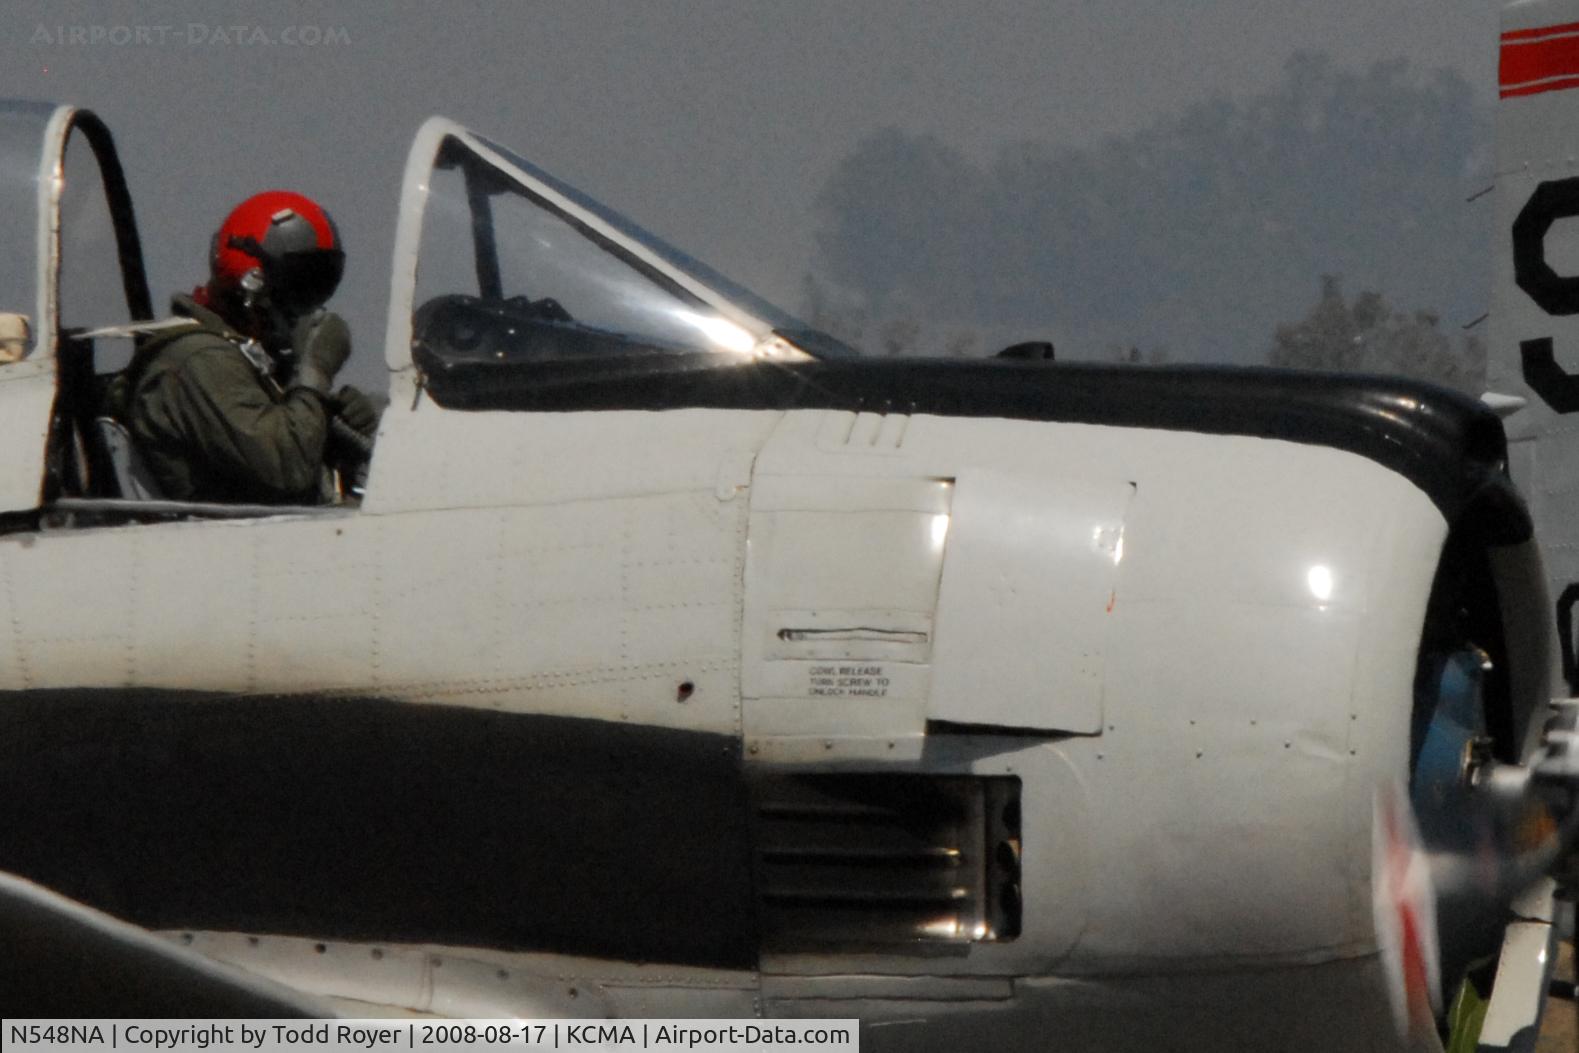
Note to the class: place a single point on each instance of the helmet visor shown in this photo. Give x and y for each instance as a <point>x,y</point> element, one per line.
<point>299,282</point>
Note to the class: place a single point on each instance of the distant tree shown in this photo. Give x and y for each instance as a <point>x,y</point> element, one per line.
<point>900,333</point>
<point>836,313</point>
<point>1199,233</point>
<point>1368,335</point>
<point>1132,355</point>
<point>962,345</point>
<point>900,336</point>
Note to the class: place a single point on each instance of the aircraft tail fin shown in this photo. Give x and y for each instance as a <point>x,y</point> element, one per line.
<point>1533,347</point>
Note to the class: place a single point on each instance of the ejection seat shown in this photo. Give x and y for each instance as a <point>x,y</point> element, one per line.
<point>132,477</point>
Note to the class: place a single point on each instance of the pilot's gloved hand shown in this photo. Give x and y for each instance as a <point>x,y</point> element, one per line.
<point>322,342</point>
<point>353,406</point>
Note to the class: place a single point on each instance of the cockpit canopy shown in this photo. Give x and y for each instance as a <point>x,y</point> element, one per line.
<point>512,266</point>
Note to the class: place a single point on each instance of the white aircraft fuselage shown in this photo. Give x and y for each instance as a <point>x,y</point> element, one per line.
<point>983,701</point>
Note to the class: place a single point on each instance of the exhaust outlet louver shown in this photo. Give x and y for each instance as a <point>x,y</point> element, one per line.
<point>853,860</point>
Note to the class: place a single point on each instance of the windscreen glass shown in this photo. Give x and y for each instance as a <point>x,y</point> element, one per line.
<point>506,273</point>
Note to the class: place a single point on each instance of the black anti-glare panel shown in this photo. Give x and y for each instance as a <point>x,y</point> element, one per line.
<point>1448,444</point>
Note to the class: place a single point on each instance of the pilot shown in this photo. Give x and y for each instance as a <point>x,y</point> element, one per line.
<point>237,406</point>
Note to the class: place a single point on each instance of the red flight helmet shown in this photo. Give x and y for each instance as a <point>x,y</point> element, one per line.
<point>281,244</point>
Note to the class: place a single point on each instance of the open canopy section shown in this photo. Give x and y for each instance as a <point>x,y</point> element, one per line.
<point>24,213</point>
<point>496,261</point>
<point>70,262</point>
<point>72,258</point>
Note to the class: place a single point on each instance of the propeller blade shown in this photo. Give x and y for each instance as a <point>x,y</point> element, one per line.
<point>1403,902</point>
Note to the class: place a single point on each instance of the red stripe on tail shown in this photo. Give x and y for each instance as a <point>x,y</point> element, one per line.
<point>1536,34</point>
<point>1560,84</point>
<point>1532,66</point>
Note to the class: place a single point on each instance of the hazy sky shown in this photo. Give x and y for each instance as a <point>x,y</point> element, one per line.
<point>711,122</point>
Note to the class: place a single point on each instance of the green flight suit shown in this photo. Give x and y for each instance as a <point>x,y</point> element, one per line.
<point>211,427</point>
